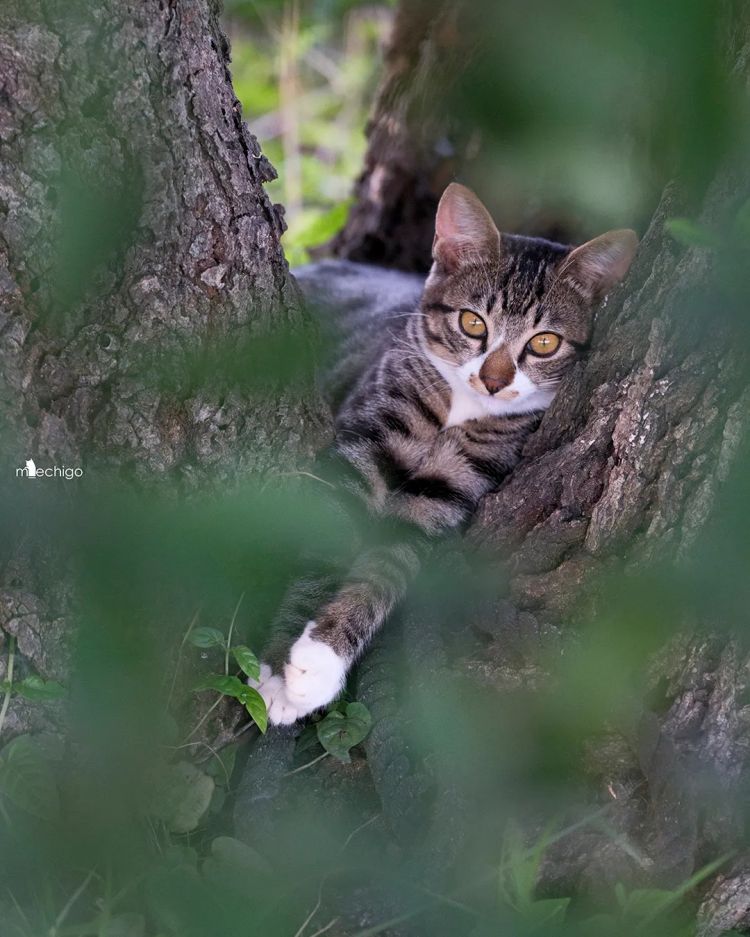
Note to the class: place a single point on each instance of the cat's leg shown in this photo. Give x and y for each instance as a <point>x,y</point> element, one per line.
<point>315,668</point>
<point>320,659</point>
<point>291,646</point>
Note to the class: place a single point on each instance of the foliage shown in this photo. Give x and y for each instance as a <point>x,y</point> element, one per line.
<point>225,683</point>
<point>305,75</point>
<point>343,728</point>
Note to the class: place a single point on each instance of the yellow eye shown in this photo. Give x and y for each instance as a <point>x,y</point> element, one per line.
<point>544,344</point>
<point>472,324</point>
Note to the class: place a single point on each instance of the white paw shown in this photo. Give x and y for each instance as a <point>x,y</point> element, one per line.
<point>271,687</point>
<point>315,673</point>
<point>313,677</point>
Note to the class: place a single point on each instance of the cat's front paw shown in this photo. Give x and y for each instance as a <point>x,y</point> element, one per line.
<point>314,675</point>
<point>271,687</point>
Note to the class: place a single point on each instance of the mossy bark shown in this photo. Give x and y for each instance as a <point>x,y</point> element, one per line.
<point>134,229</point>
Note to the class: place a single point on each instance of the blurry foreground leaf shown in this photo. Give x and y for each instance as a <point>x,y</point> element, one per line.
<point>339,732</point>
<point>27,779</point>
<point>687,232</point>
<point>126,925</point>
<point>232,864</point>
<point>742,224</point>
<point>546,912</point>
<point>35,687</point>
<point>206,637</point>
<point>221,766</point>
<point>183,796</point>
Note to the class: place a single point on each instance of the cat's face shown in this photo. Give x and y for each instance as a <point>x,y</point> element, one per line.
<point>504,317</point>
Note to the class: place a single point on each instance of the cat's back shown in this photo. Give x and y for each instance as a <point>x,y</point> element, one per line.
<point>361,309</point>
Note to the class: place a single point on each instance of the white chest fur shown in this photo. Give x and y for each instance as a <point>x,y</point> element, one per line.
<point>468,404</point>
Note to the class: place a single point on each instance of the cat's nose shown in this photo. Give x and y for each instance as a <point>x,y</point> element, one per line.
<point>497,370</point>
<point>493,385</point>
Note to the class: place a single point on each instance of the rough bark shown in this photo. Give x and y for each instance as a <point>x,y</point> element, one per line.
<point>623,474</point>
<point>414,145</point>
<point>419,139</point>
<point>134,227</point>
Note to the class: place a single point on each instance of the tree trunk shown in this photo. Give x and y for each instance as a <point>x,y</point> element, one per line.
<point>419,140</point>
<point>134,229</point>
<point>414,145</point>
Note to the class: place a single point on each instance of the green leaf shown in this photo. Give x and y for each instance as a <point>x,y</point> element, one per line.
<point>27,779</point>
<point>307,740</point>
<point>545,912</point>
<point>229,686</point>
<point>126,925</point>
<point>519,868</point>
<point>648,903</point>
<point>218,800</point>
<point>742,224</point>
<point>177,856</point>
<point>339,732</point>
<point>35,687</point>
<point>182,797</point>
<point>221,765</point>
<point>233,864</point>
<point>597,925</point>
<point>207,637</point>
<point>247,661</point>
<point>687,232</point>
<point>256,706</point>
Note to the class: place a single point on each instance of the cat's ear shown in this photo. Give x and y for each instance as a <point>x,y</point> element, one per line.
<point>463,229</point>
<point>598,265</point>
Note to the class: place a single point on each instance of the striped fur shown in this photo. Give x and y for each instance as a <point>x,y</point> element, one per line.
<point>430,419</point>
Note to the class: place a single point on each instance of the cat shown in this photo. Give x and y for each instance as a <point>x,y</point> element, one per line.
<point>439,385</point>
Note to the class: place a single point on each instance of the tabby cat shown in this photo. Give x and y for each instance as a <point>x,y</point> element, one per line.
<point>450,384</point>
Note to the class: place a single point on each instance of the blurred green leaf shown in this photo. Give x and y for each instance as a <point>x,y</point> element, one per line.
<point>233,864</point>
<point>545,912</point>
<point>221,765</point>
<point>218,800</point>
<point>35,687</point>
<point>742,224</point>
<point>646,903</point>
<point>182,797</point>
<point>207,637</point>
<point>339,732</point>
<point>307,739</point>
<point>27,779</point>
<point>125,925</point>
<point>691,234</point>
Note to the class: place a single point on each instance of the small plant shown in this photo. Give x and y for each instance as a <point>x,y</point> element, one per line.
<point>517,877</point>
<point>344,726</point>
<point>229,684</point>
<point>337,732</point>
<point>639,911</point>
<point>32,687</point>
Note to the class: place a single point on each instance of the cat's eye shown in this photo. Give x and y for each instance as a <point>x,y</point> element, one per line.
<point>472,325</point>
<point>544,344</point>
